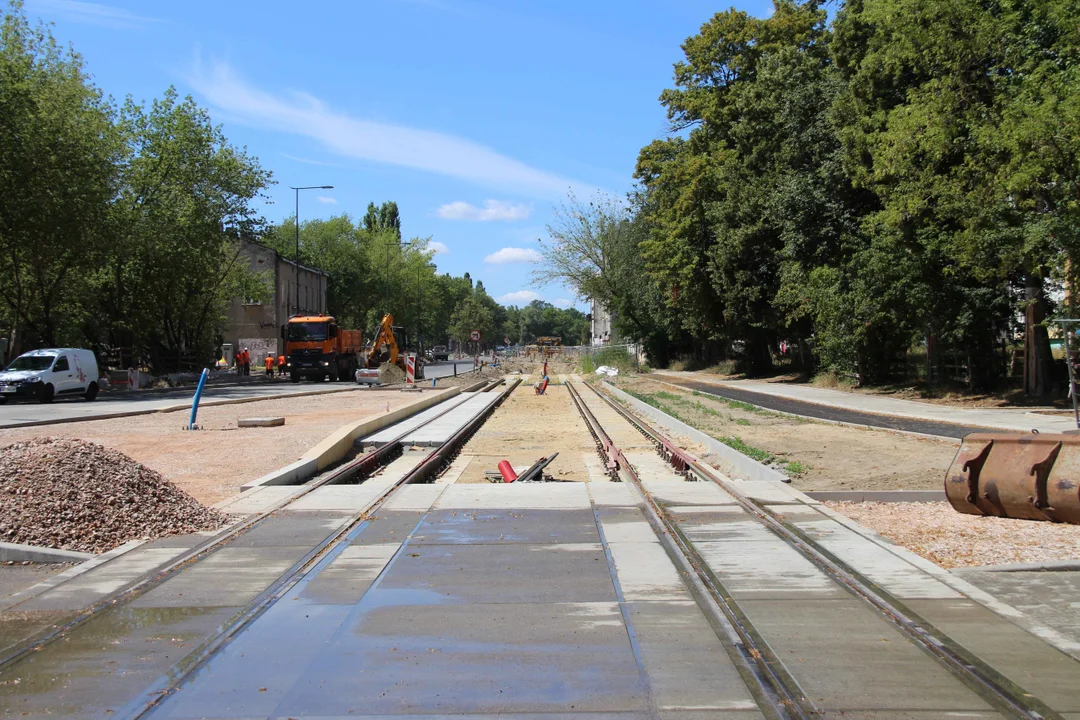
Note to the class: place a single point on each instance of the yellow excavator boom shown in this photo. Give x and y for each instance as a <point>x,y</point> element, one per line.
<point>385,347</point>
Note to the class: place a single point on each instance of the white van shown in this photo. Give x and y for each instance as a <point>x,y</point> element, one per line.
<point>55,372</point>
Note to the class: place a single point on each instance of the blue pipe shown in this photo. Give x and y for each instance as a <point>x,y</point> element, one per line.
<point>198,394</point>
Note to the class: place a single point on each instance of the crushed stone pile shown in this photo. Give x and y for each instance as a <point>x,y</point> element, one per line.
<point>76,495</point>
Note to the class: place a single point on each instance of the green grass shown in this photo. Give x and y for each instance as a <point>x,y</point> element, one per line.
<point>657,400</point>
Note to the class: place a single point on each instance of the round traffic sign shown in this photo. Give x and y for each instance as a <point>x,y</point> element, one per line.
<point>474,335</point>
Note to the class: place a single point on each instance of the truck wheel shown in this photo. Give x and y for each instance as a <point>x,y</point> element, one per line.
<point>91,392</point>
<point>294,376</point>
<point>334,375</point>
<point>46,393</point>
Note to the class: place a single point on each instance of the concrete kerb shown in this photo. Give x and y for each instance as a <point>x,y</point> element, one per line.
<point>734,462</point>
<point>15,552</point>
<point>336,445</point>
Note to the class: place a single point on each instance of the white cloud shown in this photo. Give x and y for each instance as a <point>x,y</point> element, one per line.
<point>512,255</point>
<point>492,210</point>
<point>302,114</point>
<point>88,13</point>
<point>521,297</point>
<point>326,200</point>
<point>437,248</point>
<point>308,161</point>
<point>563,303</point>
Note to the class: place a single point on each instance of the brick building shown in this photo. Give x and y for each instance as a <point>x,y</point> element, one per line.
<point>255,325</point>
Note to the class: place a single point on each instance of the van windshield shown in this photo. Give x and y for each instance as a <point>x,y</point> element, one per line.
<point>307,331</point>
<point>32,362</point>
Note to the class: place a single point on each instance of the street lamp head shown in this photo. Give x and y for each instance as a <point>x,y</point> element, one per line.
<point>327,187</point>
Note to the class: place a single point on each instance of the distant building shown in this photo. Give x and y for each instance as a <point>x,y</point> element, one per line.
<point>256,325</point>
<point>602,330</point>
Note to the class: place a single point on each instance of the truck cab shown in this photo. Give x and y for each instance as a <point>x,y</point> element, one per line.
<point>316,348</point>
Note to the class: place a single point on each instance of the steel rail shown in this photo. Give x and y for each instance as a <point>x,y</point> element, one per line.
<point>987,682</point>
<point>364,464</point>
<point>328,548</point>
<point>773,685</point>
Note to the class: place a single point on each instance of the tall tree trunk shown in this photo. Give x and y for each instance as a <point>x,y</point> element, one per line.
<point>1038,360</point>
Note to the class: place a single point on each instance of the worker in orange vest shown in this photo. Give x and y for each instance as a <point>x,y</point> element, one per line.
<point>269,363</point>
<point>281,365</point>
<point>247,361</point>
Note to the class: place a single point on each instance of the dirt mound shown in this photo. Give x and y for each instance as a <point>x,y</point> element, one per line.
<point>391,374</point>
<point>76,495</point>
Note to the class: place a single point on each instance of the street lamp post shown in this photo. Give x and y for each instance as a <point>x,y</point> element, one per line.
<point>298,189</point>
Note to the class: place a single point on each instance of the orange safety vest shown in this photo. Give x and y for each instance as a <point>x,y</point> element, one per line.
<point>269,363</point>
<point>281,361</point>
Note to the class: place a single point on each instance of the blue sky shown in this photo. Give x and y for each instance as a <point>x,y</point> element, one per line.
<point>476,117</point>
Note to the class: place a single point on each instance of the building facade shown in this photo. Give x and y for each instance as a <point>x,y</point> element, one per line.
<point>602,330</point>
<point>256,325</point>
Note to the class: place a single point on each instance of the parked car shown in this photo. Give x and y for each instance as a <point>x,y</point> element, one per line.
<point>54,372</point>
<point>439,352</point>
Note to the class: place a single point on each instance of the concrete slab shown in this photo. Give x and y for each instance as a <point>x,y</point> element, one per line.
<point>845,657</point>
<point>1036,666</point>
<point>397,429</point>
<point>492,527</point>
<point>891,572</point>
<point>292,528</point>
<point>260,422</point>
<point>230,577</point>
<point>645,572</point>
<point>414,497</point>
<point>524,658</point>
<point>688,667</point>
<point>345,580</point>
<point>259,499</point>
<point>508,573</point>
<point>688,493</point>
<point>88,588</point>
<point>389,526</point>
<point>1051,598</point>
<point>339,498</point>
<point>438,431</point>
<point>454,471</point>
<point>501,495</point>
<point>99,667</point>
<point>613,494</point>
<point>753,562</point>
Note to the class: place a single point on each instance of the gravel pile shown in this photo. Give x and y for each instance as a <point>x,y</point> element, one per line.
<point>75,495</point>
<point>951,539</point>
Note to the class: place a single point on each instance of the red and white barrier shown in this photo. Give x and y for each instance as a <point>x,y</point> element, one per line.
<point>410,369</point>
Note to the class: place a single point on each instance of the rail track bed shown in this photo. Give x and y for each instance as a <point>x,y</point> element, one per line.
<point>657,589</point>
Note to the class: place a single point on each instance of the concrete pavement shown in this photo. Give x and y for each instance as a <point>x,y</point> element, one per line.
<point>969,419</point>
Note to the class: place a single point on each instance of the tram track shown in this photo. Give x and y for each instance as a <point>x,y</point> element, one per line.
<point>352,470</point>
<point>774,687</point>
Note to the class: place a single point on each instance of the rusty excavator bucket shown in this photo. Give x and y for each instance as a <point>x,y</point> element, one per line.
<point>1030,476</point>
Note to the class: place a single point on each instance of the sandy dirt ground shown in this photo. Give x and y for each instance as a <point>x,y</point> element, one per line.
<point>534,426</point>
<point>952,539</point>
<point>212,463</point>
<point>816,455</point>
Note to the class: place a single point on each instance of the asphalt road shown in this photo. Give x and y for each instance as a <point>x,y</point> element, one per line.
<point>446,368</point>
<point>28,412</point>
<point>826,412</point>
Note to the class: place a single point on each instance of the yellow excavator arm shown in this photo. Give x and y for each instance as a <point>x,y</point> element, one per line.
<point>385,347</point>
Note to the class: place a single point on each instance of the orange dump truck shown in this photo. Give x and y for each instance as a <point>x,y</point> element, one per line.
<point>316,348</point>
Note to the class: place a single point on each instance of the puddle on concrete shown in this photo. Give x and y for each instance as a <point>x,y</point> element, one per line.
<point>98,667</point>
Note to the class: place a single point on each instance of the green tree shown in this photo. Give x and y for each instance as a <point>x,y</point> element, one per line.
<point>58,174</point>
<point>471,314</point>
<point>185,195</point>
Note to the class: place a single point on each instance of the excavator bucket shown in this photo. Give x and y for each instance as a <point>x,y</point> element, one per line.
<point>1030,476</point>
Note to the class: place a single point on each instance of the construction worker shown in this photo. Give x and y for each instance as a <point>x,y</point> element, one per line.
<point>269,363</point>
<point>281,365</point>
<point>247,362</point>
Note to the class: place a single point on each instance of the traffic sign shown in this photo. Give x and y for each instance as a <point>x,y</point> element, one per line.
<point>474,335</point>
